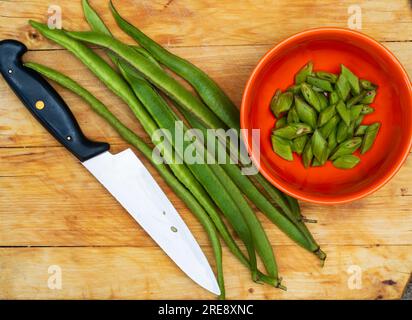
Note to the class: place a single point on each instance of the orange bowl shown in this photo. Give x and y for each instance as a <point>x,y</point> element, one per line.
<point>328,48</point>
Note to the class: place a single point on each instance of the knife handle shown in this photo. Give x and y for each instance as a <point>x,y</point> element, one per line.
<point>45,103</point>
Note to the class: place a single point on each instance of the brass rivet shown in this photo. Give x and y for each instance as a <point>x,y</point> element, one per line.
<point>39,105</point>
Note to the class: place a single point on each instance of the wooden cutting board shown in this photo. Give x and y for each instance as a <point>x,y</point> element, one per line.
<point>56,219</point>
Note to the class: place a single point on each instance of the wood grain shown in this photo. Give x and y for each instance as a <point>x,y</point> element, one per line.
<point>52,212</point>
<point>229,22</point>
<point>230,66</point>
<point>146,273</point>
<point>76,210</point>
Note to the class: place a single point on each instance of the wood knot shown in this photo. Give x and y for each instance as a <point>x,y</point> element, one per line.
<point>251,290</point>
<point>404,191</point>
<point>33,35</point>
<point>389,282</point>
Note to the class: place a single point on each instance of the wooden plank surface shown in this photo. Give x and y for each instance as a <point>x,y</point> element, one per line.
<point>53,213</point>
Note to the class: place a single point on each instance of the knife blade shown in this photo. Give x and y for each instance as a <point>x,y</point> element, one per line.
<point>122,174</point>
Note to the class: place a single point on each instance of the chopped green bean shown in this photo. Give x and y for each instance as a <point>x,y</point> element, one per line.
<point>352,79</point>
<point>299,144</point>
<point>304,72</point>
<point>310,96</point>
<point>326,115</point>
<point>307,155</point>
<point>281,103</point>
<point>280,123</point>
<point>305,112</point>
<point>369,97</point>
<point>343,112</point>
<point>343,87</point>
<point>361,130</point>
<point>346,162</point>
<point>320,83</point>
<point>282,147</point>
<point>331,77</point>
<point>293,131</point>
<point>347,147</point>
<point>370,137</point>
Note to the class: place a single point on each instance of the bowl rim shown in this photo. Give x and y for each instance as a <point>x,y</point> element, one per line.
<point>245,97</point>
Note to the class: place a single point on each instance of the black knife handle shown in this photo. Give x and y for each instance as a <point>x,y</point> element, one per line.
<point>45,103</point>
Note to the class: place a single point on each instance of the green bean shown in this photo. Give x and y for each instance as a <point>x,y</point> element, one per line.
<point>274,102</point>
<point>322,100</point>
<point>327,129</point>
<point>307,155</point>
<point>248,188</point>
<point>347,147</point>
<point>342,132</point>
<point>294,205</point>
<point>370,136</point>
<point>367,85</point>
<point>151,71</point>
<point>174,63</point>
<point>151,46</point>
<point>261,180</point>
<point>355,99</point>
<point>358,121</point>
<point>305,112</point>
<point>355,111</point>
<point>97,24</point>
<point>346,162</point>
<point>281,103</point>
<point>361,130</point>
<point>310,96</point>
<point>326,115</point>
<point>205,174</point>
<point>295,216</point>
<point>351,130</point>
<point>299,144</point>
<point>147,151</point>
<point>121,88</point>
<point>331,77</point>
<point>316,163</point>
<point>282,147</point>
<point>319,147</point>
<point>281,123</point>
<point>158,106</point>
<point>333,97</point>
<point>295,89</point>
<point>293,131</point>
<point>320,83</point>
<point>367,110</point>
<point>343,87</point>
<point>332,142</point>
<point>369,97</point>
<point>292,116</point>
<point>344,112</point>
<point>352,79</point>
<point>209,91</point>
<point>303,73</point>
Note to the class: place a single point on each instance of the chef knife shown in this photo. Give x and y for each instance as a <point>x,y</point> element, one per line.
<point>122,174</point>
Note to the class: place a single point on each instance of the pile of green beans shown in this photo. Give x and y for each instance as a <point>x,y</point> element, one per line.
<point>212,95</point>
<point>320,118</point>
<point>209,190</point>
